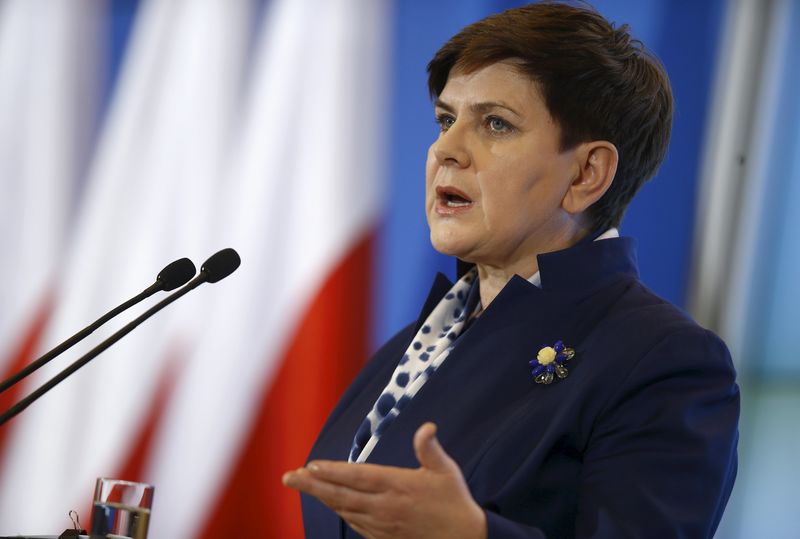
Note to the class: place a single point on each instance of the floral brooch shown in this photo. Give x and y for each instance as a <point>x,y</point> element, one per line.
<point>549,363</point>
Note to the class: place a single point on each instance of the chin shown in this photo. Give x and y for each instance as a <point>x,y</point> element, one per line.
<point>449,245</point>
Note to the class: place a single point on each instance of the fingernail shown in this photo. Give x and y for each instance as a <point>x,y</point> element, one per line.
<point>313,466</point>
<point>287,477</point>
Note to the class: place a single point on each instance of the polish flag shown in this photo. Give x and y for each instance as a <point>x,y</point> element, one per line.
<point>229,127</point>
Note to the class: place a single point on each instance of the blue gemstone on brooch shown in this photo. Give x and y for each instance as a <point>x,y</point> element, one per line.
<point>548,365</point>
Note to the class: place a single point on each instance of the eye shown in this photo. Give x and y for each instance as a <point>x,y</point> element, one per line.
<point>445,121</point>
<point>498,125</point>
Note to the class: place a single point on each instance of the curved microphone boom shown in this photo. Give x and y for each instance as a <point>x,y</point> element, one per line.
<point>171,277</point>
<point>217,267</point>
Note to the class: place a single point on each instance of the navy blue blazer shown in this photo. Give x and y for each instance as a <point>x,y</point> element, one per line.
<point>639,441</point>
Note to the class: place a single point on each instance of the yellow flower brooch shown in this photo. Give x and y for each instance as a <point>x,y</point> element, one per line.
<point>549,363</point>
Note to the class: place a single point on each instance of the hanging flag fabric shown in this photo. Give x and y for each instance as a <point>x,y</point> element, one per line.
<point>225,130</point>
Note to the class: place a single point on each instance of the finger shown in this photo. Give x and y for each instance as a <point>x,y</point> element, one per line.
<point>363,477</point>
<point>337,497</point>
<point>430,453</point>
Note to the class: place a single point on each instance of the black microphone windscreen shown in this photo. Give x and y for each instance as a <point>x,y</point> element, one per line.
<point>220,265</point>
<point>176,274</point>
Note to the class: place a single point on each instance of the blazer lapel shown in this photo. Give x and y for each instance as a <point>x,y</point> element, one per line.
<point>493,353</point>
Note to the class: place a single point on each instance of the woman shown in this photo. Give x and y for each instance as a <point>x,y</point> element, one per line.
<point>548,392</point>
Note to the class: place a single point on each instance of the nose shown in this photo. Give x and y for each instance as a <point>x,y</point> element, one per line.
<point>451,148</point>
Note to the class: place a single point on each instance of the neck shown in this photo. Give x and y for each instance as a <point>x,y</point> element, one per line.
<point>493,277</point>
<point>492,281</point>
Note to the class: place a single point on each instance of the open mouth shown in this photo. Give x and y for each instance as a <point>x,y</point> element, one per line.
<point>451,197</point>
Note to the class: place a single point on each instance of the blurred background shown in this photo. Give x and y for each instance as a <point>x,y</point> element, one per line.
<point>135,132</point>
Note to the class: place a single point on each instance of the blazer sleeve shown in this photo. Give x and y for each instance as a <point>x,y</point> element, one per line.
<point>661,459</point>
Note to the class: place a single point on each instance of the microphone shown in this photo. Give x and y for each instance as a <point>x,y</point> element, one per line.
<point>171,277</point>
<point>217,267</point>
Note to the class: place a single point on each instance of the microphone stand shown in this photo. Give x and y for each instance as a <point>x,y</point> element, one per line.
<point>172,276</point>
<point>217,267</point>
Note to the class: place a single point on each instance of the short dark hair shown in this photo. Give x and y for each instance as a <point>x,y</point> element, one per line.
<point>597,82</point>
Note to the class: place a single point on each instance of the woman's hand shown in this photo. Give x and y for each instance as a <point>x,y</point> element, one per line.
<point>385,501</point>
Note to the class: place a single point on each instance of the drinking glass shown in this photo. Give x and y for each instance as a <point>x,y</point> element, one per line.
<point>121,509</point>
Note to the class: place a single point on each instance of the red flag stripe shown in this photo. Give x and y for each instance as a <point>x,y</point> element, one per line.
<point>135,463</point>
<point>22,356</point>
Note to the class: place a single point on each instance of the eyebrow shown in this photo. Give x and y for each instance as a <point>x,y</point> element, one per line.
<point>480,108</point>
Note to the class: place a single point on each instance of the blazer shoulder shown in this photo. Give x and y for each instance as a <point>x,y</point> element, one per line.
<point>642,320</point>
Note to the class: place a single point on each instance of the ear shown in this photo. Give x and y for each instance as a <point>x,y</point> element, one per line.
<point>597,165</point>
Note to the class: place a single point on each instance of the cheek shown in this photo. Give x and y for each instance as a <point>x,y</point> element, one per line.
<point>513,195</point>
<point>431,166</point>
<point>501,209</point>
<point>504,190</point>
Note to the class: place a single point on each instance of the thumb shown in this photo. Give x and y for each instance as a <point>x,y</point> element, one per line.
<point>429,452</point>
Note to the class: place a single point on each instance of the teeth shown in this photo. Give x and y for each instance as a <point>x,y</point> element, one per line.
<point>457,204</point>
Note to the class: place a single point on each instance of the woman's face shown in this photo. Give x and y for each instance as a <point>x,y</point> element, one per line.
<point>495,178</point>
